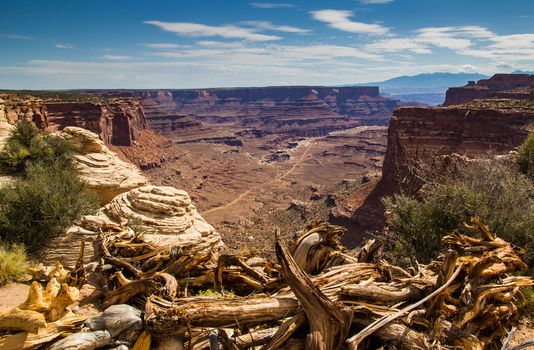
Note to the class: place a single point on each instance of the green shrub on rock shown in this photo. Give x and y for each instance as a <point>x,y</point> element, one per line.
<point>28,145</point>
<point>493,190</point>
<point>525,158</point>
<point>49,197</point>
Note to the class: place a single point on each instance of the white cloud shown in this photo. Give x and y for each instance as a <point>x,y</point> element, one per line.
<point>340,19</point>
<point>162,46</point>
<point>220,44</point>
<point>271,5</point>
<point>115,57</point>
<point>375,1</point>
<point>225,31</point>
<point>398,44</point>
<point>16,37</point>
<point>265,25</point>
<point>64,46</point>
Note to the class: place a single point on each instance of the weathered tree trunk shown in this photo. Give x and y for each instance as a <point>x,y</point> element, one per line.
<point>162,317</point>
<point>329,321</point>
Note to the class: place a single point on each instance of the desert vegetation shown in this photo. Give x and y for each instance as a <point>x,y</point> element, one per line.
<point>492,189</point>
<point>47,195</point>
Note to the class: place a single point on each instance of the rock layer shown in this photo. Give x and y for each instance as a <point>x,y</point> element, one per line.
<point>116,120</point>
<point>166,214</point>
<point>105,174</point>
<point>512,86</point>
<point>417,134</point>
<point>295,110</point>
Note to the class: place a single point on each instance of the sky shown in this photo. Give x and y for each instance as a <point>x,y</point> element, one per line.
<point>68,44</point>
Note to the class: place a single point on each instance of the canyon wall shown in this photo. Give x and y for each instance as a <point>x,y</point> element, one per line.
<point>512,86</point>
<point>414,134</point>
<point>117,121</point>
<point>296,110</point>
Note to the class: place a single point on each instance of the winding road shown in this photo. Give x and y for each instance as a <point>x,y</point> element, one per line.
<point>264,185</point>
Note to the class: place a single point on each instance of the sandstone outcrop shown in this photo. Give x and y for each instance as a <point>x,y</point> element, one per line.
<point>511,86</point>
<point>304,111</point>
<point>105,174</point>
<point>165,214</point>
<point>14,108</point>
<point>117,120</point>
<point>418,134</point>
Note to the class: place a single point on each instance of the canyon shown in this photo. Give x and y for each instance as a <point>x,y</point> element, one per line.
<point>256,159</point>
<point>251,159</point>
<point>492,118</point>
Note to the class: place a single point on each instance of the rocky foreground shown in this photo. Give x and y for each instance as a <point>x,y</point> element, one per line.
<point>315,296</point>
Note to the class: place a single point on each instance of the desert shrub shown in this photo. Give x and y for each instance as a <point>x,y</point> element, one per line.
<point>43,204</point>
<point>27,144</point>
<point>493,190</point>
<point>525,158</point>
<point>13,264</point>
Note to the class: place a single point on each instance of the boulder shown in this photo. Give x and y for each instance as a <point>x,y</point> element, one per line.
<point>166,215</point>
<point>105,174</point>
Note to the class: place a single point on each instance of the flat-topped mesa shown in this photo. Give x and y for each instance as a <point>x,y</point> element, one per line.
<point>117,121</point>
<point>418,134</point>
<point>298,110</point>
<point>513,86</point>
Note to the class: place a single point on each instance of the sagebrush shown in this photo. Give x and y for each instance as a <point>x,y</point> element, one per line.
<point>525,158</point>
<point>49,195</point>
<point>490,189</point>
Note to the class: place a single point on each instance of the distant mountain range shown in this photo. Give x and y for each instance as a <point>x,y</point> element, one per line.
<point>426,88</point>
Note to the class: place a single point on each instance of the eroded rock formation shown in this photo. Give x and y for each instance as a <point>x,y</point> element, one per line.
<point>105,174</point>
<point>296,110</point>
<point>514,86</point>
<point>117,121</point>
<point>166,214</point>
<point>418,134</point>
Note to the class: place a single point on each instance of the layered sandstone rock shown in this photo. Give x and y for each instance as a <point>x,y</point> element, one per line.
<point>166,214</point>
<point>511,86</point>
<point>418,134</point>
<point>13,109</point>
<point>117,120</point>
<point>295,110</point>
<point>105,174</point>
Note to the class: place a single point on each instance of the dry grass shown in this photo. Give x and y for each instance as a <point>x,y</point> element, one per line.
<point>13,264</point>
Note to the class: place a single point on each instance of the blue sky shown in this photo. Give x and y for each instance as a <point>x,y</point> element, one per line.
<point>212,43</point>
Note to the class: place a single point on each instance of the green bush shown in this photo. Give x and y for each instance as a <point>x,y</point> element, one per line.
<point>490,189</point>
<point>49,197</point>
<point>13,264</point>
<point>525,158</point>
<point>42,205</point>
<point>28,145</point>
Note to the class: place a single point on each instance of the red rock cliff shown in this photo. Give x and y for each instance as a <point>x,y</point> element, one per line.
<point>300,110</point>
<point>514,86</point>
<point>117,121</point>
<point>420,133</point>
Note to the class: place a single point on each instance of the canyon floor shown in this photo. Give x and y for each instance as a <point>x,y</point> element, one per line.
<point>248,191</point>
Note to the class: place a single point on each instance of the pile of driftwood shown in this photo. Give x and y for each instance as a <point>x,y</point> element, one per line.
<point>315,296</point>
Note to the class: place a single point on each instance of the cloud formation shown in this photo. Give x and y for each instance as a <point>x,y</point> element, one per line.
<point>375,1</point>
<point>64,46</point>
<point>265,25</point>
<point>271,5</point>
<point>199,30</point>
<point>16,37</point>
<point>115,57</point>
<point>340,19</point>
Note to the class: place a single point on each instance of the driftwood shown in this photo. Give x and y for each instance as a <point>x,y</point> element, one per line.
<point>315,295</point>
